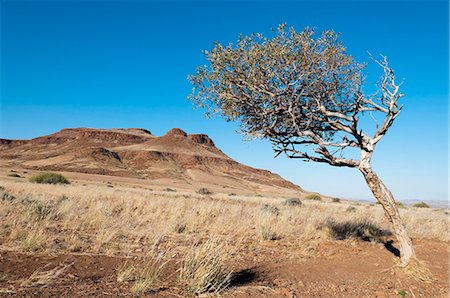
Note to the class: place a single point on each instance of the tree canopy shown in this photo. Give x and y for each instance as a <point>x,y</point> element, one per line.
<point>295,89</point>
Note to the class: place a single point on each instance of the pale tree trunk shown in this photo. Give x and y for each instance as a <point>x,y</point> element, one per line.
<point>386,199</point>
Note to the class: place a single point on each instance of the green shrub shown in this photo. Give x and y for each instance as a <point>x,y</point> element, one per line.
<point>50,178</point>
<point>336,200</point>
<point>313,196</point>
<point>421,205</point>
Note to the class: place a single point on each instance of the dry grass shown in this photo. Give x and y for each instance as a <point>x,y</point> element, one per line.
<point>145,275</point>
<point>204,268</point>
<point>45,277</point>
<point>128,221</point>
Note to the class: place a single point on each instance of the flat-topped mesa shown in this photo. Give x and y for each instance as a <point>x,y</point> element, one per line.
<point>201,139</point>
<point>176,132</point>
<point>138,130</point>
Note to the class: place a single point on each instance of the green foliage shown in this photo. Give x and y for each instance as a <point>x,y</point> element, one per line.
<point>336,200</point>
<point>402,293</point>
<point>253,79</point>
<point>50,178</point>
<point>421,205</point>
<point>313,196</point>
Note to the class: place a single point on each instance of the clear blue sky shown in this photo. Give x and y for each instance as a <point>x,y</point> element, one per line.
<point>108,64</point>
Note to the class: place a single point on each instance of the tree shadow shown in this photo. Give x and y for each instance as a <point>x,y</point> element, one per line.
<point>243,277</point>
<point>388,245</point>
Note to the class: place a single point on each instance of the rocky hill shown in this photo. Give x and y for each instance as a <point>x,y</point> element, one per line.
<point>136,153</point>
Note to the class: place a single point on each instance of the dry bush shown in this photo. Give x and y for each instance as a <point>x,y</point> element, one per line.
<point>168,189</point>
<point>270,209</point>
<point>267,233</point>
<point>204,191</point>
<point>146,275</point>
<point>204,268</point>
<point>350,209</point>
<point>4,196</point>
<point>360,230</point>
<point>292,202</point>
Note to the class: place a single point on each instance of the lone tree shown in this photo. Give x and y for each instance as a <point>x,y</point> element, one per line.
<point>304,94</point>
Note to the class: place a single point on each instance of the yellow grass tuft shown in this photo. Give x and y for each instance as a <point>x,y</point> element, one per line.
<point>204,268</point>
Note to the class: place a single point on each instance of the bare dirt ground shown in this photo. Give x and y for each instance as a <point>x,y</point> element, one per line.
<point>93,228</point>
<point>339,270</point>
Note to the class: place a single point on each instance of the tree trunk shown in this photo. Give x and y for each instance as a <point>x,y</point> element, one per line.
<point>386,199</point>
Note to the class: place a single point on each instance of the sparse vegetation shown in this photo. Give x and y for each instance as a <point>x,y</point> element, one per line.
<point>4,196</point>
<point>49,178</point>
<point>421,205</point>
<point>313,197</point>
<point>168,189</point>
<point>145,275</point>
<point>350,209</point>
<point>292,202</point>
<point>360,230</point>
<point>267,233</point>
<point>126,221</point>
<point>14,175</point>
<point>400,204</point>
<point>45,278</point>
<point>180,226</point>
<point>336,200</point>
<point>204,191</point>
<point>204,268</point>
<point>270,209</point>
<point>36,209</point>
